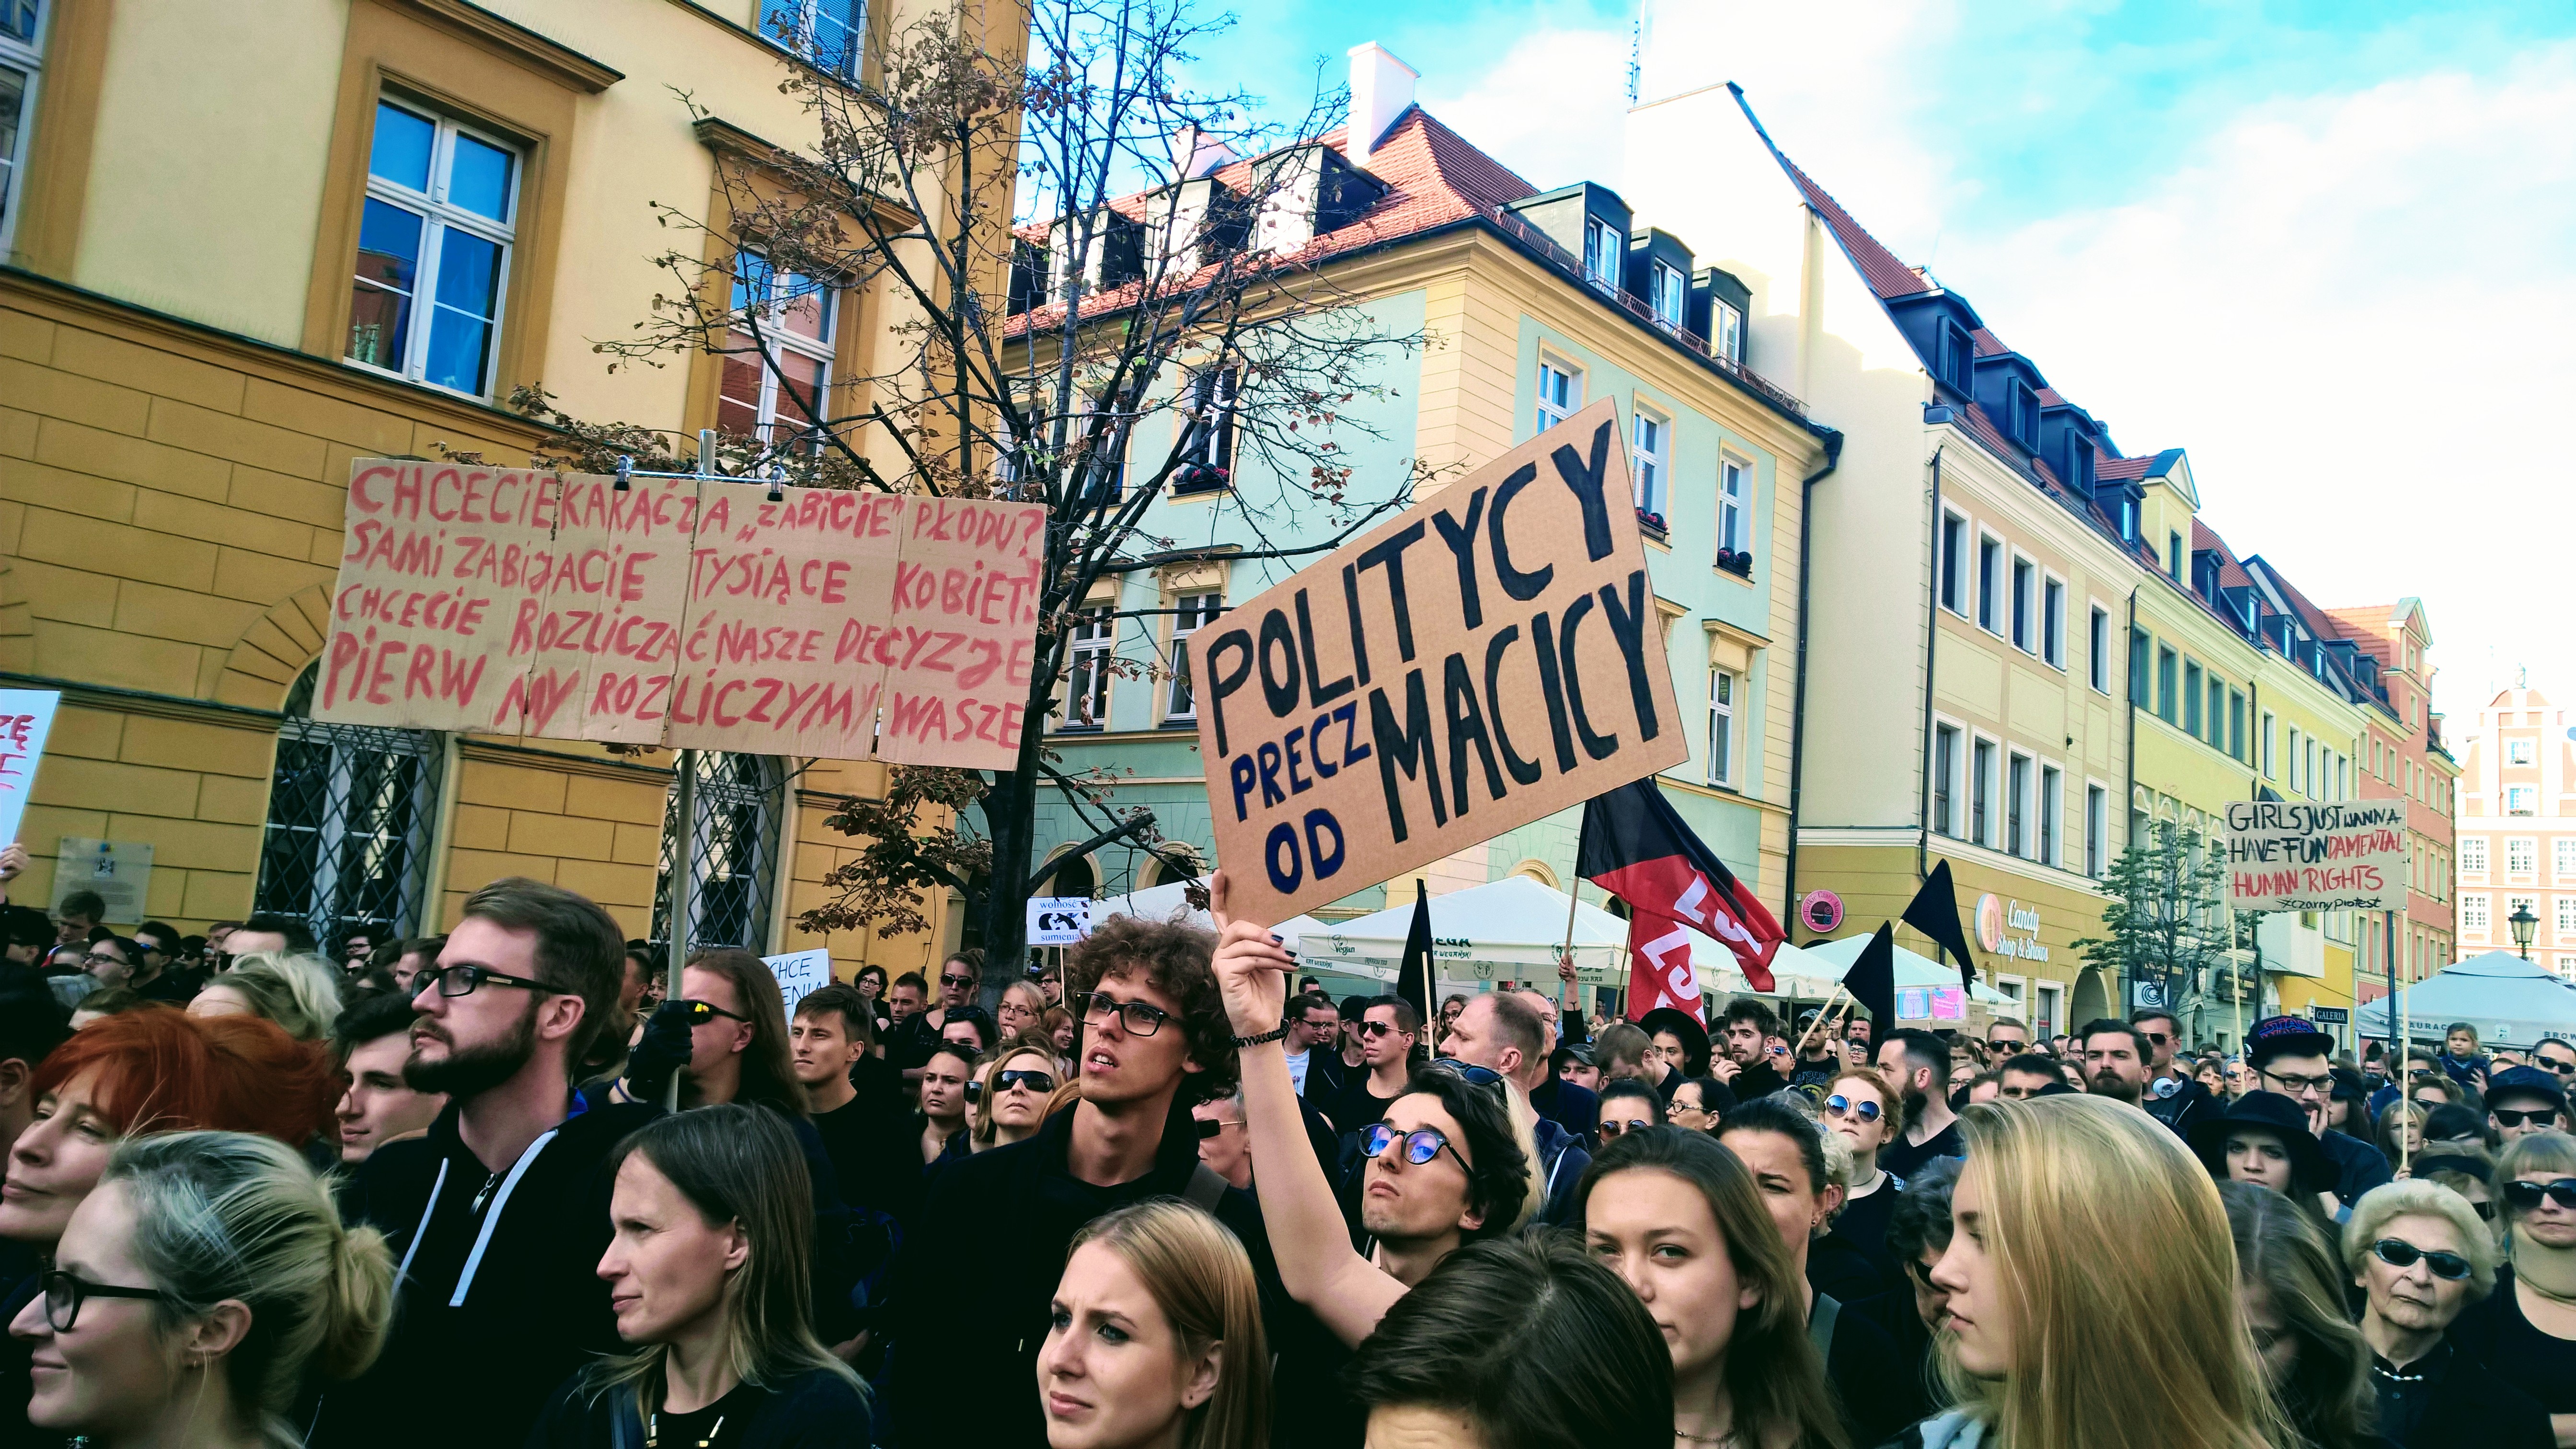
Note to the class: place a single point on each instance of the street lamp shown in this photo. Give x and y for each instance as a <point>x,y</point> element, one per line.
<point>2523,923</point>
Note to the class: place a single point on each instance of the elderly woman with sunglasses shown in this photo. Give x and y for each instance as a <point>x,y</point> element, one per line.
<point>2526,1329</point>
<point>2421,1257</point>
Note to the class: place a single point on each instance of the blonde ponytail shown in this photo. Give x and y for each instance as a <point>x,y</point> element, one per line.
<point>357,1315</point>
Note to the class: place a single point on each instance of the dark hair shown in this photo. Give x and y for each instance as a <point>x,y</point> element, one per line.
<point>1920,1216</point>
<point>2139,1019</point>
<point>1773,1372</point>
<point>952,1049</point>
<point>912,979</point>
<point>972,956</point>
<point>370,1018</point>
<point>1531,1341</point>
<point>425,947</point>
<point>1633,1087</point>
<point>2547,1041</point>
<point>863,975</point>
<point>768,1066</point>
<point>861,1023</point>
<point>1755,1010</point>
<point>25,926</point>
<point>987,1033</point>
<point>1407,1020</point>
<point>32,1023</point>
<point>579,951</point>
<point>1498,1180</point>
<point>1922,1050</point>
<point>1353,1008</point>
<point>644,957</point>
<point>2111,1026</point>
<point>1177,960</point>
<point>109,1000</point>
<point>1621,1041</point>
<point>2453,1120</point>
<point>1517,1024</point>
<point>1765,1114</point>
<point>2033,1064</point>
<point>2290,1252</point>
<point>1715,1097</point>
<point>163,931</point>
<point>297,931</point>
<point>1309,1001</point>
<point>88,903</point>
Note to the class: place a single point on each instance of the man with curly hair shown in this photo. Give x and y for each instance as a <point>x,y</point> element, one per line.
<point>973,1289</point>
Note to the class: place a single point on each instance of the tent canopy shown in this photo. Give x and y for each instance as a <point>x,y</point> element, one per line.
<point>1155,903</point>
<point>1511,928</point>
<point>1913,968</point>
<point>2509,1000</point>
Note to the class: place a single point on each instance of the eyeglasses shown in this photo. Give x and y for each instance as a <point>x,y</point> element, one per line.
<point>946,980</point>
<point>2399,1253</point>
<point>1839,1105</point>
<point>1611,1128</point>
<point>1038,1082</point>
<point>462,980</point>
<point>2525,1196</point>
<point>2536,1116</point>
<point>1475,1075</point>
<point>1420,1145</point>
<point>1375,1029</point>
<point>1140,1018</point>
<point>2298,1086</point>
<point>702,1012</point>
<point>64,1294</point>
<point>1211,1126</point>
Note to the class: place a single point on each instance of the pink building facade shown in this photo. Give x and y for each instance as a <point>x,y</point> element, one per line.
<point>2404,756</point>
<point>2517,827</point>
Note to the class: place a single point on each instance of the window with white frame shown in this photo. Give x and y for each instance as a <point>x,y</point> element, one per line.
<point>778,357</point>
<point>1671,294</point>
<point>434,248</point>
<point>2562,856</point>
<point>22,45</point>
<point>1990,582</point>
<point>2473,913</point>
<point>1945,779</point>
<point>2517,752</point>
<point>2521,799</point>
<point>1086,675</point>
<point>2269,772</point>
<point>2044,1024</point>
<point>2052,786</point>
<point>2017,807</point>
<point>2025,606</point>
<point>1981,792</point>
<point>2097,650</point>
<point>2521,857</point>
<point>1721,727</point>
<point>1954,564</point>
<point>2566,908</point>
<point>1725,330</point>
<point>1649,437</point>
<point>1734,489</point>
<point>2052,622</point>
<point>2097,827</point>
<point>1559,394</point>
<point>830,33</point>
<point>1207,450</point>
<point>1602,253</point>
<point>2473,854</point>
<point>1193,612</point>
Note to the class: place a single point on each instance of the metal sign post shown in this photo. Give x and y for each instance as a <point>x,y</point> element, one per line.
<point>688,817</point>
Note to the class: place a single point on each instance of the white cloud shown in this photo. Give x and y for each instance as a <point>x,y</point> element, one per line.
<point>1550,109</point>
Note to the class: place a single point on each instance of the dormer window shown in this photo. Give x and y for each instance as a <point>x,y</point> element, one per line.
<point>2076,470</point>
<point>1671,294</point>
<point>2173,554</point>
<point>1602,248</point>
<point>2023,405</point>
<point>2128,512</point>
<point>1726,330</point>
<point>1958,357</point>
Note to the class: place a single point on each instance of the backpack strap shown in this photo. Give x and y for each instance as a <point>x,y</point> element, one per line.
<point>1206,1188</point>
<point>1820,1325</point>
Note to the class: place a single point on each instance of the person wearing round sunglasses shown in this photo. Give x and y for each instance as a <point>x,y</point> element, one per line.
<point>2421,1257</point>
<point>1628,1104</point>
<point>2526,1329</point>
<point>1010,1096</point>
<point>1861,1109</point>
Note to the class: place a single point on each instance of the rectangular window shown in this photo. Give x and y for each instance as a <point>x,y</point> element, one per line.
<point>2024,606</point>
<point>2097,825</point>
<point>2097,650</point>
<point>2049,1013</point>
<point>2295,754</point>
<point>2138,669</point>
<point>2473,854</point>
<point>1601,254</point>
<point>2017,819</point>
<point>433,250</point>
<point>1734,489</point>
<point>775,400</point>
<point>1671,299</point>
<point>2566,907</point>
<point>1559,395</point>
<point>21,51</point>
<point>2052,785</point>
<point>2217,735</point>
<point>2235,725</point>
<point>1086,692</point>
<point>1981,792</point>
<point>2517,752</point>
<point>2473,913</point>
<point>2521,857</point>
<point>2191,722</point>
<point>2167,693</point>
<point>1196,612</point>
<point>1721,727</point>
<point>1945,779</point>
<point>2312,787</point>
<point>830,33</point>
<point>1648,439</point>
<point>2269,772</point>
<point>1954,564</point>
<point>2052,623</point>
<point>1990,583</point>
<point>2562,852</point>
<point>2173,554</point>
<point>1207,451</point>
<point>1726,330</point>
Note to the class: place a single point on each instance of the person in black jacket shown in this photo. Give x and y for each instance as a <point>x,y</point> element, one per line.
<point>500,1214</point>
<point>2421,1256</point>
<point>969,1304</point>
<point>707,1278</point>
<point>2290,1056</point>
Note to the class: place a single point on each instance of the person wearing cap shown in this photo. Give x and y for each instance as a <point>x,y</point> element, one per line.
<point>2263,1138</point>
<point>1820,1054</point>
<point>2525,1100</point>
<point>1681,1043</point>
<point>2288,1055</point>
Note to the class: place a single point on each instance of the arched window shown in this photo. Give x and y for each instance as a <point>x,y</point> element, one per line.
<point>1076,877</point>
<point>732,854</point>
<point>351,809</point>
<point>1176,862</point>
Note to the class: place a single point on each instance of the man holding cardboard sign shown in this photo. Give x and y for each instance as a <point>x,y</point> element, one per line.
<point>1486,659</point>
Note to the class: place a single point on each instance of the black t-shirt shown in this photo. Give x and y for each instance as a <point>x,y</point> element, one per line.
<point>910,1042</point>
<point>1863,1225</point>
<point>1758,1080</point>
<point>1835,1266</point>
<point>1905,1158</point>
<point>1864,1366</point>
<point>2495,1331</point>
<point>1355,1106</point>
<point>864,1142</point>
<point>817,1409</point>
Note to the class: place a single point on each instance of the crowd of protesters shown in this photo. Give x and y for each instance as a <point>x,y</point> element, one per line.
<point>491,1187</point>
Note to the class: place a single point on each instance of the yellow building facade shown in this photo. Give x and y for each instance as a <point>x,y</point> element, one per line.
<point>214,302</point>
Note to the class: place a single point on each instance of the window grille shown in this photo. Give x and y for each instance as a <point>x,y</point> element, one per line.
<point>351,812</point>
<point>733,851</point>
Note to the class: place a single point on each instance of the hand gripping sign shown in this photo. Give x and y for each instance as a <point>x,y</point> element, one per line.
<point>1485,659</point>
<point>693,613</point>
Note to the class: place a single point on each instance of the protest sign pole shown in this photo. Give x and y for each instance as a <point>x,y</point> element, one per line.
<point>686,836</point>
<point>1822,1013</point>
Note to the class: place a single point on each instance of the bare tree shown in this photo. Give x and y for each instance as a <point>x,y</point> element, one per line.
<point>1069,251</point>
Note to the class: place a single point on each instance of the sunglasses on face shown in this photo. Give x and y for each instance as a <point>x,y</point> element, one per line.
<point>2536,1116</point>
<point>1035,1081</point>
<point>702,1012</point>
<point>2158,1038</point>
<point>1140,1018</point>
<point>2525,1196</point>
<point>1211,1126</point>
<point>956,980</point>
<point>1839,1105</point>
<point>2399,1253</point>
<point>1420,1145</point>
<point>1611,1128</point>
<point>1475,1075</point>
<point>1376,1029</point>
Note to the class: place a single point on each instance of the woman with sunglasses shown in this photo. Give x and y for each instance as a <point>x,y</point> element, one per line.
<point>1861,1110</point>
<point>2422,1258</point>
<point>196,1292</point>
<point>1628,1104</point>
<point>1010,1096</point>
<point>2526,1329</point>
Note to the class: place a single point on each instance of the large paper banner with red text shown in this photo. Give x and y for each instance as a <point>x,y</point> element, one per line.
<point>689,613</point>
<point>1484,660</point>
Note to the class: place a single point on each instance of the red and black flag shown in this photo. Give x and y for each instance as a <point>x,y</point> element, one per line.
<point>1636,846</point>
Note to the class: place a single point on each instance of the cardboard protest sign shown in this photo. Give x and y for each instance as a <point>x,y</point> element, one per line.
<point>800,974</point>
<point>1483,660</point>
<point>696,614</point>
<point>2293,856</point>
<point>26,717</point>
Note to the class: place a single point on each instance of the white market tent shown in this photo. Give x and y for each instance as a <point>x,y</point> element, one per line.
<point>1913,969</point>
<point>1170,902</point>
<point>1509,929</point>
<point>2511,1002</point>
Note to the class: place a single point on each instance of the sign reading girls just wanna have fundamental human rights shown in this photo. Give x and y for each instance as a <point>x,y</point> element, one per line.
<point>2292,855</point>
<point>693,613</point>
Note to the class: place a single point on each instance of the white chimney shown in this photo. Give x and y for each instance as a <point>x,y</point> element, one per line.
<point>1381,88</point>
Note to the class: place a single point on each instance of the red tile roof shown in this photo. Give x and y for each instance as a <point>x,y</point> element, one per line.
<point>1887,275</point>
<point>2122,469</point>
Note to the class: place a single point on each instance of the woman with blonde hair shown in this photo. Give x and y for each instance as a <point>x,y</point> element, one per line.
<point>195,1293</point>
<point>1008,1098</point>
<point>1865,1113</point>
<point>1154,1340</point>
<point>708,1276</point>
<point>2092,1287</point>
<point>2526,1329</point>
<point>1019,1010</point>
<point>299,993</point>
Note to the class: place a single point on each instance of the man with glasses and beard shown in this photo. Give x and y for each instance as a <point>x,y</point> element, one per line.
<point>500,1214</point>
<point>2171,1095</point>
<point>2288,1055</point>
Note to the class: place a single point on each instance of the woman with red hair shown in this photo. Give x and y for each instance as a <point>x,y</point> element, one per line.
<point>151,1069</point>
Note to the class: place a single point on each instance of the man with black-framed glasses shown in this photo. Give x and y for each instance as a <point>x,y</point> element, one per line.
<point>2288,1055</point>
<point>499,1215</point>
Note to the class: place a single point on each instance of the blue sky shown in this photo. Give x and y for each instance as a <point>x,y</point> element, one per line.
<point>2329,248</point>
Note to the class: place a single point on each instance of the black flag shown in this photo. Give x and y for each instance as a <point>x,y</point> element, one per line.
<point>1871,981</point>
<point>1935,912</point>
<point>1413,978</point>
